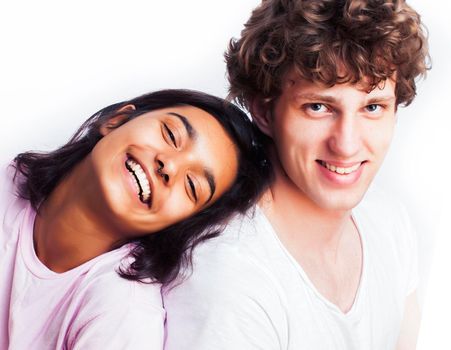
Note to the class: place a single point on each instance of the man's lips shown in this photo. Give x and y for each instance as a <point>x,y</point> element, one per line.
<point>341,173</point>
<point>341,168</point>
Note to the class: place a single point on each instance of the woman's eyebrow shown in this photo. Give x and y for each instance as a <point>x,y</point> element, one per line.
<point>192,133</point>
<point>211,183</point>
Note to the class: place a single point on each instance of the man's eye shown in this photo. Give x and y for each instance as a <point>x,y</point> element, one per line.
<point>170,134</point>
<point>317,107</point>
<point>192,188</point>
<point>373,108</point>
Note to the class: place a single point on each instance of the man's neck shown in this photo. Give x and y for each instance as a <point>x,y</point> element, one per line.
<point>325,243</point>
<point>298,219</point>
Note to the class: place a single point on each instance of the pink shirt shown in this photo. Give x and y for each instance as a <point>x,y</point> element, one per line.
<point>88,307</point>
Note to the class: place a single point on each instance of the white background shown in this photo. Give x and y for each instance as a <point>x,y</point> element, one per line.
<point>61,61</point>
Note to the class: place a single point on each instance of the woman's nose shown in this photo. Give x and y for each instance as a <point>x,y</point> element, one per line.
<point>166,169</point>
<point>162,171</point>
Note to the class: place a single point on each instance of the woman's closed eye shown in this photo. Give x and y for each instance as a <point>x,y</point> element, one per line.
<point>192,188</point>
<point>169,135</point>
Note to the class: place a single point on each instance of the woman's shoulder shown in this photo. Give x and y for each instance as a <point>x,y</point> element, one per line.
<point>103,285</point>
<point>114,312</point>
<point>11,205</point>
<point>8,187</point>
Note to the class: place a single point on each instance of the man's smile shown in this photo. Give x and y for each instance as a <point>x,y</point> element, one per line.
<point>342,169</point>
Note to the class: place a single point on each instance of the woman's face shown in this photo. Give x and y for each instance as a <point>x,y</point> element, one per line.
<point>161,167</point>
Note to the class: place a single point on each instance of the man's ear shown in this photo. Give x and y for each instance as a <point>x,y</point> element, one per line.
<point>117,120</point>
<point>262,115</point>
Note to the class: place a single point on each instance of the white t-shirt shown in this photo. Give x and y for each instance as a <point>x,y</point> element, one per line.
<point>247,292</point>
<point>89,307</point>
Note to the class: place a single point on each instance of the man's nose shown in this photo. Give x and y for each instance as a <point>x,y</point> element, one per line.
<point>345,138</point>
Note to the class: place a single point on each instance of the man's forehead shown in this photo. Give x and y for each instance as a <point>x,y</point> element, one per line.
<point>297,84</point>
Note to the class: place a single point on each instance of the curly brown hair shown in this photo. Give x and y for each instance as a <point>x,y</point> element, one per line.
<point>370,39</point>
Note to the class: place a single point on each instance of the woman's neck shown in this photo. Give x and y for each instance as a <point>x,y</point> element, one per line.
<point>68,230</point>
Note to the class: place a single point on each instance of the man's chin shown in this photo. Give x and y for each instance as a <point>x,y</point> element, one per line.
<point>339,202</point>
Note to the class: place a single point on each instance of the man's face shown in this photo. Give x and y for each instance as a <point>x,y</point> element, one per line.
<point>331,140</point>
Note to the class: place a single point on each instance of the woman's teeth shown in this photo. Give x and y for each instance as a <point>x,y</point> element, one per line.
<point>340,170</point>
<point>141,182</point>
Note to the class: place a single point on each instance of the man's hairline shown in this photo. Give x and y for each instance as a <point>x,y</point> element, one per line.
<point>270,101</point>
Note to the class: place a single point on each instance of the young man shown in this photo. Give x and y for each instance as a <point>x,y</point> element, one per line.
<point>323,263</point>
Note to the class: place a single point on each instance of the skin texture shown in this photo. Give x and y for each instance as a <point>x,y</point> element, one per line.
<point>408,335</point>
<point>96,206</point>
<point>343,125</point>
<point>148,140</point>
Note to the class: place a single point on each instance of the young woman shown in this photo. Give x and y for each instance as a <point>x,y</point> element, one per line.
<point>123,202</point>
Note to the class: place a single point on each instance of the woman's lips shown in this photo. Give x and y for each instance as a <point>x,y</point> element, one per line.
<point>141,185</point>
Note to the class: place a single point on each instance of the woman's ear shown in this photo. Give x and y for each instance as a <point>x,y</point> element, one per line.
<point>261,114</point>
<point>117,120</point>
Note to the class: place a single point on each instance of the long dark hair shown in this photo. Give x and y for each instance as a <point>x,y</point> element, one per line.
<point>159,255</point>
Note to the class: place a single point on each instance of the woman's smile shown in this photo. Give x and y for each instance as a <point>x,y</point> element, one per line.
<point>140,179</point>
<point>172,163</point>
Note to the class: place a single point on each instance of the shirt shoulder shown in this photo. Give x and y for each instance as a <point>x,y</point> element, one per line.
<point>103,286</point>
<point>8,188</point>
<point>230,298</point>
<point>11,205</point>
<point>110,310</point>
<point>385,212</point>
<point>391,239</point>
<point>240,254</point>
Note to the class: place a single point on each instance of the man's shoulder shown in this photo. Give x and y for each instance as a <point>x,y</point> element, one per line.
<point>233,236</point>
<point>234,261</point>
<point>381,205</point>
<point>231,295</point>
<point>239,246</point>
<point>383,217</point>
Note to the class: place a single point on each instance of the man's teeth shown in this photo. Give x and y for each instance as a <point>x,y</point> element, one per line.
<point>143,186</point>
<point>340,170</point>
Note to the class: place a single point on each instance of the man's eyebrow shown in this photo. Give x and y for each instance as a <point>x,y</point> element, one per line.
<point>192,133</point>
<point>381,99</point>
<point>315,97</point>
<point>331,99</point>
<point>211,182</point>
